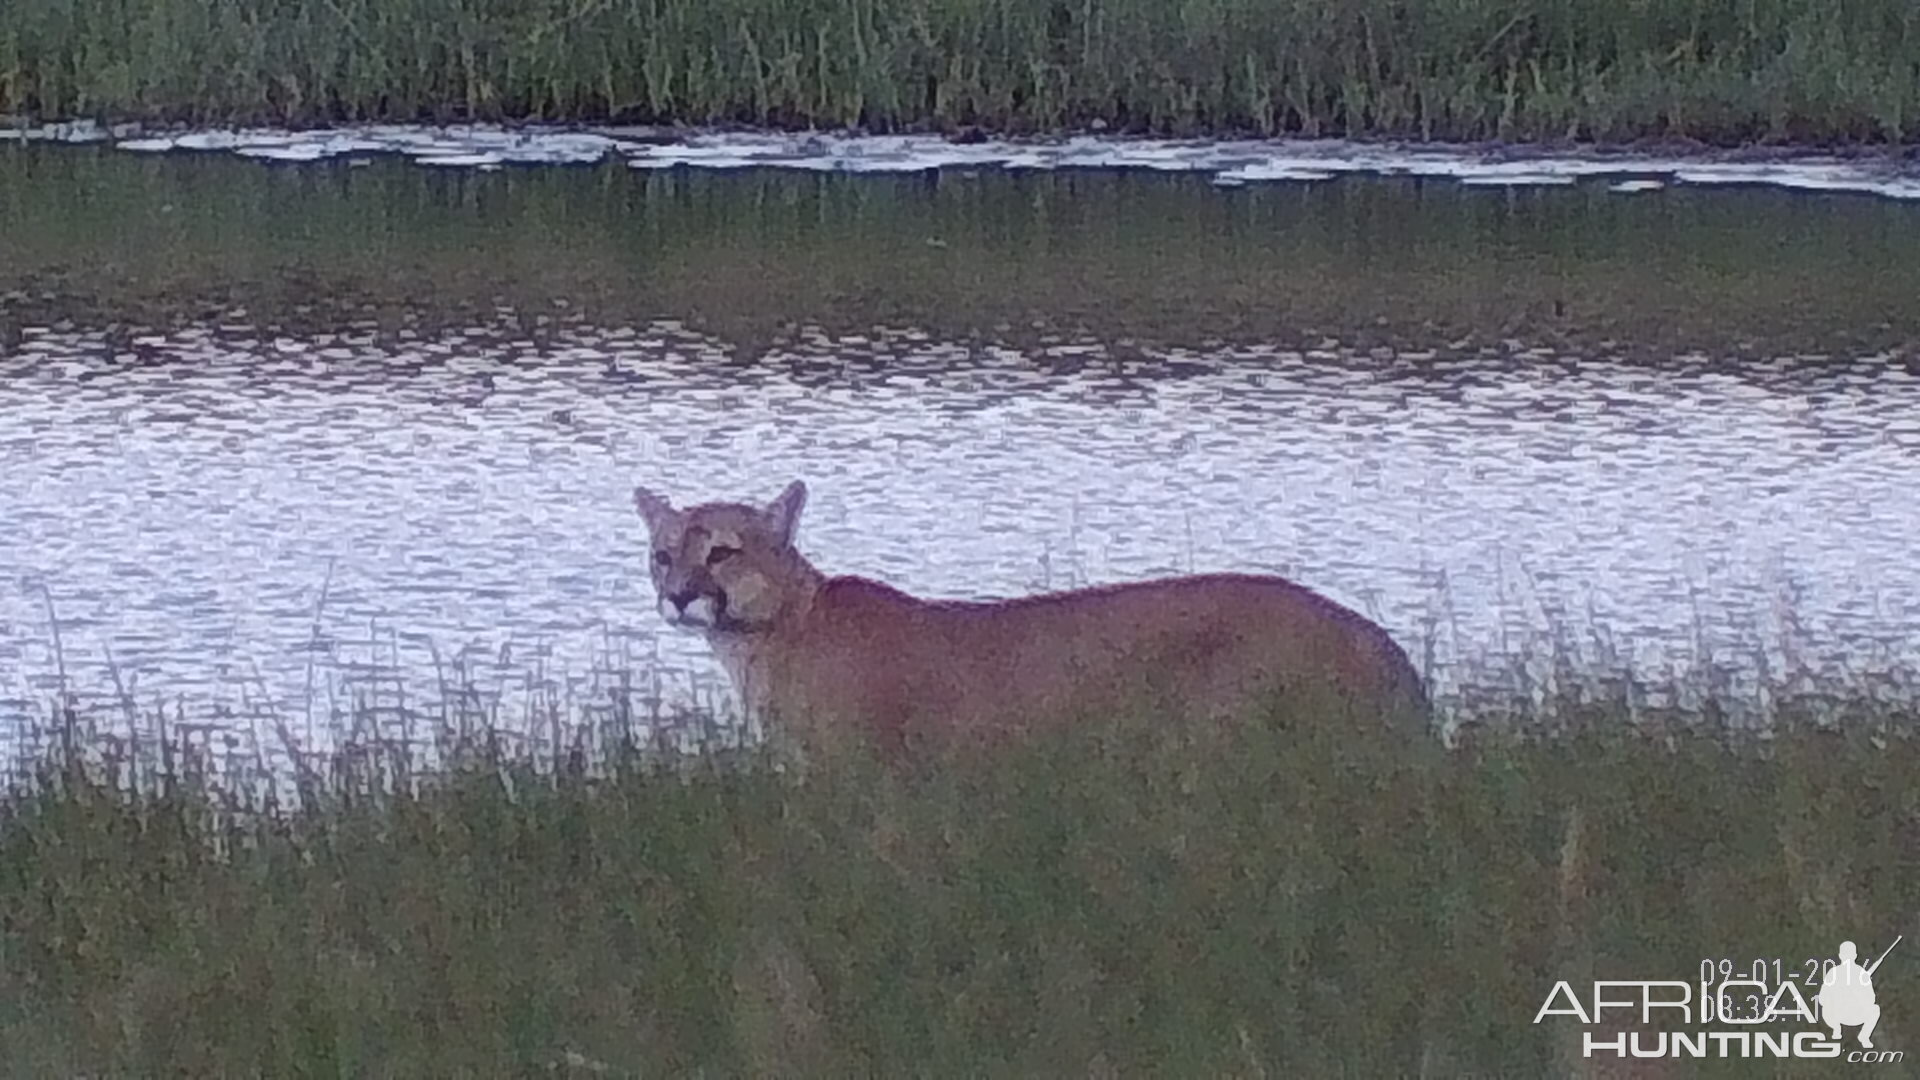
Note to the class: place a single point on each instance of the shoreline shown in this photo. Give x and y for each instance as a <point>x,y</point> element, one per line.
<point>20,130</point>
<point>79,127</point>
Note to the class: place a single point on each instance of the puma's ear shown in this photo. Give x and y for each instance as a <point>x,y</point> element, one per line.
<point>784,512</point>
<point>654,509</point>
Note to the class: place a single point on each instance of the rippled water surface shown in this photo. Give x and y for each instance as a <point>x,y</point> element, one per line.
<point>473,490</point>
<point>225,513</point>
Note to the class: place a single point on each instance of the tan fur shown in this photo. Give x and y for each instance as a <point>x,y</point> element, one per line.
<point>824,658</point>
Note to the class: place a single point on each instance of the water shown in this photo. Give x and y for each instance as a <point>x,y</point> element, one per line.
<point>246,505</point>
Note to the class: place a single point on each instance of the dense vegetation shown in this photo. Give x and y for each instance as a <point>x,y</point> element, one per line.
<point>1720,70</point>
<point>1294,903</point>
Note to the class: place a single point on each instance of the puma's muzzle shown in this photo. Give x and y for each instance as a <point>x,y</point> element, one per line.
<point>703,607</point>
<point>697,608</point>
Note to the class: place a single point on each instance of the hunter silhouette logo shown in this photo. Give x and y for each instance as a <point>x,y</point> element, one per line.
<point>1846,994</point>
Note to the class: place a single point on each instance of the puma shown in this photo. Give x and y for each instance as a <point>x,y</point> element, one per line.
<point>819,659</point>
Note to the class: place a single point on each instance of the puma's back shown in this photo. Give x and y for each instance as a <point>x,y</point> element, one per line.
<point>824,659</point>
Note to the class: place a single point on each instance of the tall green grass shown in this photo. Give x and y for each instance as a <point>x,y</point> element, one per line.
<point>1119,900</point>
<point>1721,70</point>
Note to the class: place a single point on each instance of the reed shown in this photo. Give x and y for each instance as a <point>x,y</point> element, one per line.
<point>1112,901</point>
<point>1717,70</point>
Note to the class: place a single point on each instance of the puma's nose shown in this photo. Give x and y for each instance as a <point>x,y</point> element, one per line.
<point>691,607</point>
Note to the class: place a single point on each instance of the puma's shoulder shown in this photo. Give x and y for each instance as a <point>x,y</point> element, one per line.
<point>857,594</point>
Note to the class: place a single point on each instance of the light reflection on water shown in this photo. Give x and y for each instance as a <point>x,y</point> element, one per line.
<point>185,500</point>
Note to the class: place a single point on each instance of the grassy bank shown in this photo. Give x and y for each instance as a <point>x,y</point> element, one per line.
<point>1292,904</point>
<point>1719,70</point>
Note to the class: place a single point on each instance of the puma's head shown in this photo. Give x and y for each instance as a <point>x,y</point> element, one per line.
<point>726,567</point>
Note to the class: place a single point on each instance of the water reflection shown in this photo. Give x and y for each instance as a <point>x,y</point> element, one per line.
<point>183,499</point>
<point>102,238</point>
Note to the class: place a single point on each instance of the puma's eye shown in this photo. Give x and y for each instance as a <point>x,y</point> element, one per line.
<point>661,558</point>
<point>720,553</point>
